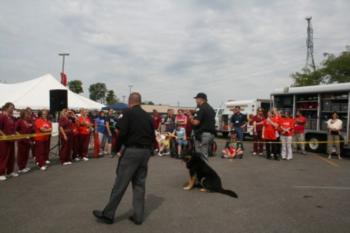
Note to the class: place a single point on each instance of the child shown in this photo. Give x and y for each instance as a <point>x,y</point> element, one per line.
<point>233,148</point>
<point>164,145</point>
<point>181,139</point>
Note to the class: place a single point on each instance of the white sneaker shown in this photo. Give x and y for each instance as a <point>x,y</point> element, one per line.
<point>3,178</point>
<point>69,163</point>
<point>261,154</point>
<point>43,168</point>
<point>85,159</point>
<point>160,154</point>
<point>330,157</point>
<point>77,159</point>
<point>47,162</point>
<point>25,170</point>
<point>14,174</point>
<point>289,158</point>
<point>254,153</point>
<point>66,163</point>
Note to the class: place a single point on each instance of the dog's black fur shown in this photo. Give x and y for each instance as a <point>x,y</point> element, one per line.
<point>205,175</point>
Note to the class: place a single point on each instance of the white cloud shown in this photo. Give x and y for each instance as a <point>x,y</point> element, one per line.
<point>169,50</point>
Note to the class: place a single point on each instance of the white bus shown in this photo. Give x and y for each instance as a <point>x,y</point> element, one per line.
<point>316,103</point>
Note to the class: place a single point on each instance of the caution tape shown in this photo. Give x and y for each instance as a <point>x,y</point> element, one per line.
<point>304,142</point>
<point>15,137</point>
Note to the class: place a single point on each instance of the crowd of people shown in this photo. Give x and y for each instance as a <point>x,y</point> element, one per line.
<point>31,133</point>
<point>176,134</point>
<point>279,133</point>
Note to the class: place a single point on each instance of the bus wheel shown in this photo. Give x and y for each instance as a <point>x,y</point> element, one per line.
<point>313,143</point>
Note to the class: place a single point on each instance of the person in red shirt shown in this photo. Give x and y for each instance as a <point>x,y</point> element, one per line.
<point>269,135</point>
<point>258,120</point>
<point>75,145</point>
<point>299,132</point>
<point>84,129</point>
<point>7,147</point>
<point>65,130</point>
<point>157,120</point>
<point>24,126</point>
<point>286,132</point>
<point>43,128</point>
<point>31,120</point>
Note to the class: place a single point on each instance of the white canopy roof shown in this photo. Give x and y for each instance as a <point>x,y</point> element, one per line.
<point>35,94</point>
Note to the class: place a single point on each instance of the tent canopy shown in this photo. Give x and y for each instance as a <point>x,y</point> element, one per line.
<point>35,94</point>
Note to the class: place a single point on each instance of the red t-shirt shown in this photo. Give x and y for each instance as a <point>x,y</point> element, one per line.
<point>300,126</point>
<point>24,127</point>
<point>156,121</point>
<point>65,123</point>
<point>42,123</point>
<point>84,123</point>
<point>269,130</point>
<point>259,119</point>
<point>7,124</point>
<point>287,124</point>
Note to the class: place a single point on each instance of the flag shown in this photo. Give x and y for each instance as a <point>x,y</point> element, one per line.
<point>63,79</point>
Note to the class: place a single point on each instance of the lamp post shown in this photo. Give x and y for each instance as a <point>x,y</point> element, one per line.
<point>63,59</point>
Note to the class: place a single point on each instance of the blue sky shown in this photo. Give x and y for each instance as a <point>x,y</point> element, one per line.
<point>169,50</point>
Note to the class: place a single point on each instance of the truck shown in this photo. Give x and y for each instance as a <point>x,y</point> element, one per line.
<point>248,107</point>
<point>316,103</point>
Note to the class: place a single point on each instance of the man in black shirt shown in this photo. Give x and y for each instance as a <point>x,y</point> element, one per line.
<point>138,137</point>
<point>204,125</point>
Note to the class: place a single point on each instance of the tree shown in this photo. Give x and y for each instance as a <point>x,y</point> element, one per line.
<point>111,98</point>
<point>333,69</point>
<point>76,86</point>
<point>98,92</point>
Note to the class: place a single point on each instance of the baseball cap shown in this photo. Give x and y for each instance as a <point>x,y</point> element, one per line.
<point>201,95</point>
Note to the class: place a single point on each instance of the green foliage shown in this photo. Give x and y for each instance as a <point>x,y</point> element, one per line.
<point>333,69</point>
<point>111,98</point>
<point>148,102</point>
<point>76,86</point>
<point>98,92</point>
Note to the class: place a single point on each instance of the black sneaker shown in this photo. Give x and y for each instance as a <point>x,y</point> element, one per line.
<point>131,218</point>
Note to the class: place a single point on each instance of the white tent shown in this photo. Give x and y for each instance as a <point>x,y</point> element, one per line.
<point>35,94</point>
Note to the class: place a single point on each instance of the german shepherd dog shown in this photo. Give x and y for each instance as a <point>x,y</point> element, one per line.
<point>204,176</point>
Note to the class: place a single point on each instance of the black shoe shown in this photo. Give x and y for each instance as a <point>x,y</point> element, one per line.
<point>99,215</point>
<point>277,158</point>
<point>131,218</point>
<point>268,157</point>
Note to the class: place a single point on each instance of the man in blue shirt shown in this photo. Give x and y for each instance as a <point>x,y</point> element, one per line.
<point>238,122</point>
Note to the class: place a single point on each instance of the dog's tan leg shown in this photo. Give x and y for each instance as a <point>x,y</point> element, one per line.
<point>191,183</point>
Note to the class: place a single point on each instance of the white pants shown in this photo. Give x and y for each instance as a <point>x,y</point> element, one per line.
<point>287,152</point>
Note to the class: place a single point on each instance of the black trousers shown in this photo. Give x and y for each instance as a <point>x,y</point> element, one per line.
<point>271,148</point>
<point>132,167</point>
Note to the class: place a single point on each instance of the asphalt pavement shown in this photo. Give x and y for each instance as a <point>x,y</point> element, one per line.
<point>307,194</point>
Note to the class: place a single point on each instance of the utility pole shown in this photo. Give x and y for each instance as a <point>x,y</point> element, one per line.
<point>130,87</point>
<point>310,61</point>
<point>124,98</point>
<point>63,59</point>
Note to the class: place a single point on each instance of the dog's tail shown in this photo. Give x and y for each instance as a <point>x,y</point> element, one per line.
<point>228,192</point>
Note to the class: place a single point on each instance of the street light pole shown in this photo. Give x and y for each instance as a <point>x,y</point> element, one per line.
<point>63,59</point>
<point>130,86</point>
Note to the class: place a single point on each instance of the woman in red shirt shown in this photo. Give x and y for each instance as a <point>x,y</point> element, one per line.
<point>65,138</point>
<point>7,148</point>
<point>286,130</point>
<point>24,126</point>
<point>258,120</point>
<point>43,128</point>
<point>269,135</point>
<point>84,128</point>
